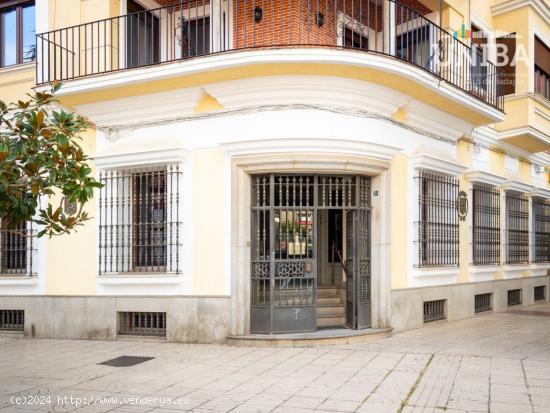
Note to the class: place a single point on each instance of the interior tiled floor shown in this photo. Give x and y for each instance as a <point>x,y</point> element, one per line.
<point>497,362</point>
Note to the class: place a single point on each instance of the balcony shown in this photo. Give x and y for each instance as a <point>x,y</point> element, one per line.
<point>190,29</point>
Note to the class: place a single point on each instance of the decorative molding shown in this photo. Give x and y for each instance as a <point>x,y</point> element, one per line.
<point>425,161</point>
<point>513,185</point>
<point>541,192</point>
<point>151,157</point>
<point>18,281</point>
<point>485,177</point>
<point>542,7</point>
<point>527,130</point>
<point>238,59</point>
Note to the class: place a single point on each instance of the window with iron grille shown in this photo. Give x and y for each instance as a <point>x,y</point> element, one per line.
<point>517,228</point>
<point>435,310</point>
<point>139,220</point>
<point>483,302</point>
<point>142,323</point>
<point>541,223</point>
<point>437,226</point>
<point>486,224</point>
<point>16,249</point>
<point>540,293</point>
<point>514,297</point>
<point>12,320</point>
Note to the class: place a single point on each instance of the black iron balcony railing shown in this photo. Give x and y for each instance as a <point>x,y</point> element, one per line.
<point>191,28</point>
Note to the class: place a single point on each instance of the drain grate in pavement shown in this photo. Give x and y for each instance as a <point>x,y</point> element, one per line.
<point>126,361</point>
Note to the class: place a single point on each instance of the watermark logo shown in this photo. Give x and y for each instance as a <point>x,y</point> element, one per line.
<point>463,33</point>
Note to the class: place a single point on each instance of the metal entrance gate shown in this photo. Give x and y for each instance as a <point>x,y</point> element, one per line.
<point>284,249</point>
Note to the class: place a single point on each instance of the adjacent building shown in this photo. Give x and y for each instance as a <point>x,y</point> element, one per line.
<point>278,166</point>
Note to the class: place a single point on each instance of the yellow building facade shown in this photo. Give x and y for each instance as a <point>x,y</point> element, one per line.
<point>277,167</point>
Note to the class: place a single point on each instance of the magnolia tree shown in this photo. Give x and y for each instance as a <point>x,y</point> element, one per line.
<point>42,166</point>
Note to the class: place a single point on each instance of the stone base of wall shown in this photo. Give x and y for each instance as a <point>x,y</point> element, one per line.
<point>407,304</point>
<point>188,319</point>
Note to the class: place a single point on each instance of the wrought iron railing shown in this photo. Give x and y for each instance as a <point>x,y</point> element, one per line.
<point>17,249</point>
<point>517,228</point>
<point>139,220</point>
<point>191,28</point>
<point>486,224</point>
<point>437,228</point>
<point>541,224</point>
<point>483,302</point>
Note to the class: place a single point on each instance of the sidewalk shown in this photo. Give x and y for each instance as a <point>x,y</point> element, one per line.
<point>497,362</point>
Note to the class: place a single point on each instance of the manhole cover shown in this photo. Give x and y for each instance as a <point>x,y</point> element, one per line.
<point>126,361</point>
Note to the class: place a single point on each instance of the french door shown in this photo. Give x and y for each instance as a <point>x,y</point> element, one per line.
<point>284,262</point>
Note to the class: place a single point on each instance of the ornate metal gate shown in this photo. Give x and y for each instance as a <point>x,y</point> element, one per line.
<point>284,248</point>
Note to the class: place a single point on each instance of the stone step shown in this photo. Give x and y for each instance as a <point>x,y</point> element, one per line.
<point>327,292</point>
<point>329,300</point>
<point>330,310</point>
<point>331,321</point>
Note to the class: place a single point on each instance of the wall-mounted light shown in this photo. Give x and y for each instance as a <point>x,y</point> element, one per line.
<point>258,14</point>
<point>319,19</point>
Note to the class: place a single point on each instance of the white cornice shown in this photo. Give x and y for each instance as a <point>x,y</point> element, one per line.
<point>540,6</point>
<point>513,185</point>
<point>425,161</point>
<point>541,192</point>
<point>485,177</point>
<point>145,158</point>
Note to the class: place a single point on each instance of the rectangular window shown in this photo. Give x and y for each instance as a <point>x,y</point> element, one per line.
<point>486,224</point>
<point>542,68</point>
<point>540,293</point>
<point>142,324</point>
<point>514,297</point>
<point>541,223</point>
<point>506,46</point>
<point>17,33</point>
<point>355,40</point>
<point>479,64</point>
<point>517,228</point>
<point>437,225</point>
<point>483,302</point>
<point>139,221</point>
<point>16,247</point>
<point>143,36</point>
<point>435,310</point>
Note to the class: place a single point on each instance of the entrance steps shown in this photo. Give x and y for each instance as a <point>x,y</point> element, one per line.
<point>331,307</point>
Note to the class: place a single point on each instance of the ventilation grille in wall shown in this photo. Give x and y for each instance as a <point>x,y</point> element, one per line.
<point>483,302</point>
<point>142,324</point>
<point>12,320</point>
<point>540,293</point>
<point>435,310</point>
<point>514,297</point>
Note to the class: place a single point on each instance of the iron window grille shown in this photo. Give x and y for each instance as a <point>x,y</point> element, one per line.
<point>541,223</point>
<point>437,225</point>
<point>139,220</point>
<point>483,302</point>
<point>142,323</point>
<point>540,293</point>
<point>517,228</point>
<point>17,247</point>
<point>12,320</point>
<point>435,310</point>
<point>486,224</point>
<point>514,297</point>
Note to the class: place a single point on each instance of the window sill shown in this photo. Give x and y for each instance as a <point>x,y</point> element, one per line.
<point>514,270</point>
<point>538,269</point>
<point>484,272</point>
<point>8,280</point>
<point>140,279</point>
<point>425,277</point>
<point>17,68</point>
